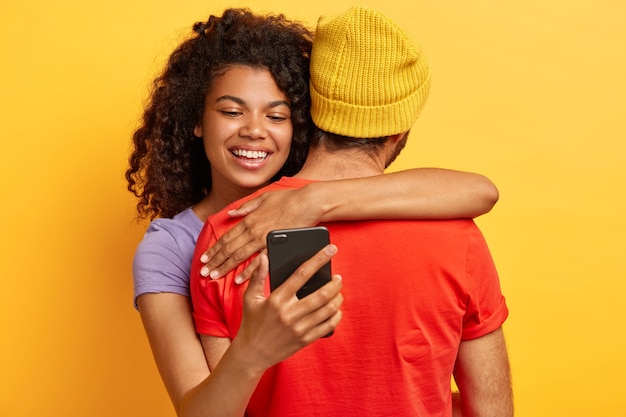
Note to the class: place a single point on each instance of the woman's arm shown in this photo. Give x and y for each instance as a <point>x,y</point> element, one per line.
<point>272,329</point>
<point>265,339</point>
<point>176,348</point>
<point>420,193</point>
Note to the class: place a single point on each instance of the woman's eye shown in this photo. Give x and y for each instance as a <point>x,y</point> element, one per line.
<point>231,113</point>
<point>277,118</point>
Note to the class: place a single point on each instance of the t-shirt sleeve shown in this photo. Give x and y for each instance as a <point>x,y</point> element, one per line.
<point>206,293</point>
<point>486,308</point>
<point>162,261</point>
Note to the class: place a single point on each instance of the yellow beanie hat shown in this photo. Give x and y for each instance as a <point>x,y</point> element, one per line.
<point>368,79</point>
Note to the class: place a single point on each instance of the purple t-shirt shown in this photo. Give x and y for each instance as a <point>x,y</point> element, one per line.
<point>163,258</point>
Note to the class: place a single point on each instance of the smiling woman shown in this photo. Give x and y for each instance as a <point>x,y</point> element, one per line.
<point>218,101</point>
<point>246,129</point>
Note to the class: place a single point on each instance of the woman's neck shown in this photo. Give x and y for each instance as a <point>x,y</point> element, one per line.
<point>217,199</point>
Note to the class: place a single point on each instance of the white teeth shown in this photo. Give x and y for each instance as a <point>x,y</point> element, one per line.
<point>250,154</point>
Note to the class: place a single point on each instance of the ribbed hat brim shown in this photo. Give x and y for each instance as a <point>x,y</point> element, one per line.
<point>357,121</point>
<point>368,79</point>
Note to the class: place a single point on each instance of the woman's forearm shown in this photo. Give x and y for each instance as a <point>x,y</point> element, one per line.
<point>225,393</point>
<point>420,193</point>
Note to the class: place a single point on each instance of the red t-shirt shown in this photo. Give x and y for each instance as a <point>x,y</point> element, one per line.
<point>412,291</point>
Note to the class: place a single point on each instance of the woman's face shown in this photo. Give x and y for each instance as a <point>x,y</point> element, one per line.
<point>246,128</point>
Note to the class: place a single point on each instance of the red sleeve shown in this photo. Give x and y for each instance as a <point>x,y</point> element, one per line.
<point>486,307</point>
<point>206,294</point>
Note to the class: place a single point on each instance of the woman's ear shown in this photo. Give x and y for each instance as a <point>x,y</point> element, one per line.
<point>197,131</point>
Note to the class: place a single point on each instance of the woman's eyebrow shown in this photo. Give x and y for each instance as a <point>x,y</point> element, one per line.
<point>239,100</point>
<point>232,98</point>
<point>279,103</point>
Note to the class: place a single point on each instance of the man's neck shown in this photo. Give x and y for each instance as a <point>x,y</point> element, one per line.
<point>323,165</point>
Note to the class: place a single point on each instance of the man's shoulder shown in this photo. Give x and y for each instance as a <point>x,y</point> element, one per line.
<point>435,225</point>
<point>462,226</point>
<point>447,229</point>
<point>454,234</point>
<point>221,221</point>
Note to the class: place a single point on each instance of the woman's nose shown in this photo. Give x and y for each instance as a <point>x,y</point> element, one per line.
<point>254,128</point>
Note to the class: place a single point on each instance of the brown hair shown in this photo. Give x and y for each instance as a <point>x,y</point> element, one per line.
<point>169,170</point>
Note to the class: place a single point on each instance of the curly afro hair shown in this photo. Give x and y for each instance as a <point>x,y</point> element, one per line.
<point>168,169</point>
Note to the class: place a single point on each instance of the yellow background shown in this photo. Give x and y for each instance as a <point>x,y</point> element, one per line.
<point>532,94</point>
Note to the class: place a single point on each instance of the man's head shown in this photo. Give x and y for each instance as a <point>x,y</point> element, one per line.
<point>368,80</point>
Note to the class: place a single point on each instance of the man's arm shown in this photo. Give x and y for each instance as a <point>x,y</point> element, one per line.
<point>483,377</point>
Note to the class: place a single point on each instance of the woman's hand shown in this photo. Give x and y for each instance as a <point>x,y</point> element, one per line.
<point>281,324</point>
<point>269,211</point>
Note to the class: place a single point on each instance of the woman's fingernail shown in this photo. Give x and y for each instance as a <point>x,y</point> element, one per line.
<point>214,274</point>
<point>331,249</point>
<point>204,271</point>
<point>204,258</point>
<point>238,279</point>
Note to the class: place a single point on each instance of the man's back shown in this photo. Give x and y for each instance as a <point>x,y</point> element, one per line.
<point>412,290</point>
<point>421,299</point>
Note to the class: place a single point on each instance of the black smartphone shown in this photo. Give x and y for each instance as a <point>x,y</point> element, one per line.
<point>287,249</point>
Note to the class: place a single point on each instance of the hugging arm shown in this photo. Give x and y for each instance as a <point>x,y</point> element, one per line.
<point>483,377</point>
<point>420,193</point>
